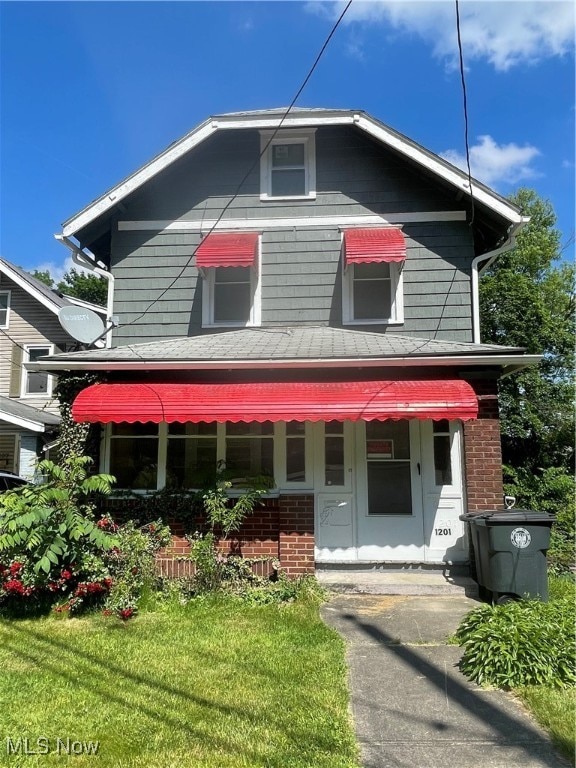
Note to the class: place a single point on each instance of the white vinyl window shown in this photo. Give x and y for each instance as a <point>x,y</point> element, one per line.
<point>4,309</point>
<point>288,165</point>
<point>372,293</point>
<point>36,383</point>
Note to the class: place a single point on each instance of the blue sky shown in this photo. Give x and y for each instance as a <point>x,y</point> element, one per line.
<point>90,91</point>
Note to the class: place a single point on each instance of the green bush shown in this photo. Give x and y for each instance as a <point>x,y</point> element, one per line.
<point>521,643</point>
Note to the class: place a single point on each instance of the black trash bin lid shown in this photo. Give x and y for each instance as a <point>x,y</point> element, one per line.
<point>508,516</point>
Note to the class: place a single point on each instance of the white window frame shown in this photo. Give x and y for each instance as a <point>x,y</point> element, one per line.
<point>396,292</point>
<point>24,380</point>
<point>208,283</point>
<point>8,295</point>
<point>307,137</point>
<point>279,447</point>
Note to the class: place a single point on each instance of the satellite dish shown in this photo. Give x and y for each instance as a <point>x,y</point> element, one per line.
<point>82,324</point>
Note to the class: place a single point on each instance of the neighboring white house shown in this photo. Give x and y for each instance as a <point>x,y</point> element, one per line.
<point>29,328</point>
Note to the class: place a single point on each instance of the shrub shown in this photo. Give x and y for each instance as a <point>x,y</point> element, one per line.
<point>521,643</point>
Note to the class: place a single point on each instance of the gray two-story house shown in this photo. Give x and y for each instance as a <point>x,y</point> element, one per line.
<point>297,298</point>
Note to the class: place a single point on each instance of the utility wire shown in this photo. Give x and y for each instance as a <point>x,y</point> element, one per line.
<point>252,167</point>
<point>465,101</point>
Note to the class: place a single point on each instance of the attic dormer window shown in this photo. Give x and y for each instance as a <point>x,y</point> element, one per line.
<point>288,165</point>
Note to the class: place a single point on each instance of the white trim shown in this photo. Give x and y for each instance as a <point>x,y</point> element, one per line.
<point>304,137</point>
<point>509,363</point>
<point>7,293</point>
<point>342,222</point>
<point>208,281</point>
<point>25,371</point>
<point>53,306</point>
<point>19,421</point>
<point>85,304</point>
<point>372,127</point>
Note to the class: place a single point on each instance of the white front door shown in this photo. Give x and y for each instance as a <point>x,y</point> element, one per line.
<point>335,525</point>
<point>389,498</point>
<point>442,491</point>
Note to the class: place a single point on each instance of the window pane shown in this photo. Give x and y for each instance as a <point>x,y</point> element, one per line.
<point>334,428</point>
<point>232,302</point>
<point>36,383</point>
<point>203,428</point>
<point>250,428</point>
<point>442,464</point>
<point>246,456</point>
<point>374,270</point>
<point>136,429</point>
<point>372,299</point>
<point>288,182</point>
<point>334,460</point>
<point>232,275</point>
<point>442,426</point>
<point>389,488</point>
<point>398,432</point>
<point>191,462</point>
<point>295,459</point>
<point>34,354</point>
<point>134,462</point>
<point>296,428</point>
<point>287,154</point>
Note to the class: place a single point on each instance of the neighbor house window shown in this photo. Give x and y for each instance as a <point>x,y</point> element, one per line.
<point>4,309</point>
<point>287,164</point>
<point>388,468</point>
<point>36,383</point>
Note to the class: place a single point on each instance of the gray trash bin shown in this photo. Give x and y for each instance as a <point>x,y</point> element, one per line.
<point>510,553</point>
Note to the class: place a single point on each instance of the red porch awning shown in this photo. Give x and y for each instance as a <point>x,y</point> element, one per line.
<point>276,401</point>
<point>237,249</point>
<point>365,245</point>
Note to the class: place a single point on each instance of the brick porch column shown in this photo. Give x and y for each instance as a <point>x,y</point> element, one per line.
<point>296,534</point>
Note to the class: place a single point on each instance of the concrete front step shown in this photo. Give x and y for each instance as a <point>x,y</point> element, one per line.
<point>397,582</point>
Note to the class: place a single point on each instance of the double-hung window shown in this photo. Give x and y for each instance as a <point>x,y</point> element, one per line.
<point>372,282</point>
<point>230,266</point>
<point>36,383</point>
<point>287,165</point>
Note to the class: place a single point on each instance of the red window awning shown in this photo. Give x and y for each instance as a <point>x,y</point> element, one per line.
<point>276,401</point>
<point>230,249</point>
<point>365,245</point>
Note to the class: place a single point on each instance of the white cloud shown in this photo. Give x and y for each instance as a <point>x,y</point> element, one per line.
<point>503,33</point>
<point>57,270</point>
<point>494,163</point>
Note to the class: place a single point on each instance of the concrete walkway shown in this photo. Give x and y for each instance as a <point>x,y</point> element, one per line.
<point>412,708</point>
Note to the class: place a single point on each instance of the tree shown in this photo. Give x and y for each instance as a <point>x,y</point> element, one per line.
<point>527,300</point>
<point>85,286</point>
<point>44,276</point>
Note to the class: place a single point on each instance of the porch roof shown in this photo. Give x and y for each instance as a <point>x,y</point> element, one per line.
<point>276,401</point>
<point>288,347</point>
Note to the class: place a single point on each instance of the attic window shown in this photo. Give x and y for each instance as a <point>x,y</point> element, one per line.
<point>288,165</point>
<point>4,308</point>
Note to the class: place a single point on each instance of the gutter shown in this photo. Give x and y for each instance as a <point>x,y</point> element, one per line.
<point>489,258</point>
<point>83,260</point>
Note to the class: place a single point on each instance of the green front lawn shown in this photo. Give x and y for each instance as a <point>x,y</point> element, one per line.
<point>213,683</point>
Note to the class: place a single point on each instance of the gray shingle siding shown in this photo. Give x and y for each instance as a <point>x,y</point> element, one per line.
<point>301,272</point>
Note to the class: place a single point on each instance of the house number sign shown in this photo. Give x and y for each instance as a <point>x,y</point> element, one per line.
<point>520,538</point>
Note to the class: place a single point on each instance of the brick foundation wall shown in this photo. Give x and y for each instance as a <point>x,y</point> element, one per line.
<point>281,529</point>
<point>483,452</point>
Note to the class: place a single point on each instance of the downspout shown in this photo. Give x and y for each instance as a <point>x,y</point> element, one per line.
<point>489,258</point>
<point>82,260</point>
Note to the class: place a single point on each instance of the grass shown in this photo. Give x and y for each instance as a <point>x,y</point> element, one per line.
<point>555,708</point>
<point>215,683</point>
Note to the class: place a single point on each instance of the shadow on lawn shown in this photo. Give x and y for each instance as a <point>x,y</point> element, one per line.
<point>84,670</point>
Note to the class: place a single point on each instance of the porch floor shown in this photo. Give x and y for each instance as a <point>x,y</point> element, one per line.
<point>447,580</point>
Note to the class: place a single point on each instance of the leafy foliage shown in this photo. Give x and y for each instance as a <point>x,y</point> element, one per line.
<point>521,643</point>
<point>527,300</point>
<point>53,523</point>
<point>225,513</point>
<point>86,286</point>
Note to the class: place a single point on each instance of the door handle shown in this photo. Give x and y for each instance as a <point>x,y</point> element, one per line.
<point>418,467</point>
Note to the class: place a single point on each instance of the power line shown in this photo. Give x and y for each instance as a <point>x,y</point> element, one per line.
<point>252,167</point>
<point>465,101</point>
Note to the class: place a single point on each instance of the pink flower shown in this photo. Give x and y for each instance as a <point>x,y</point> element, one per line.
<point>66,574</point>
<point>126,613</point>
